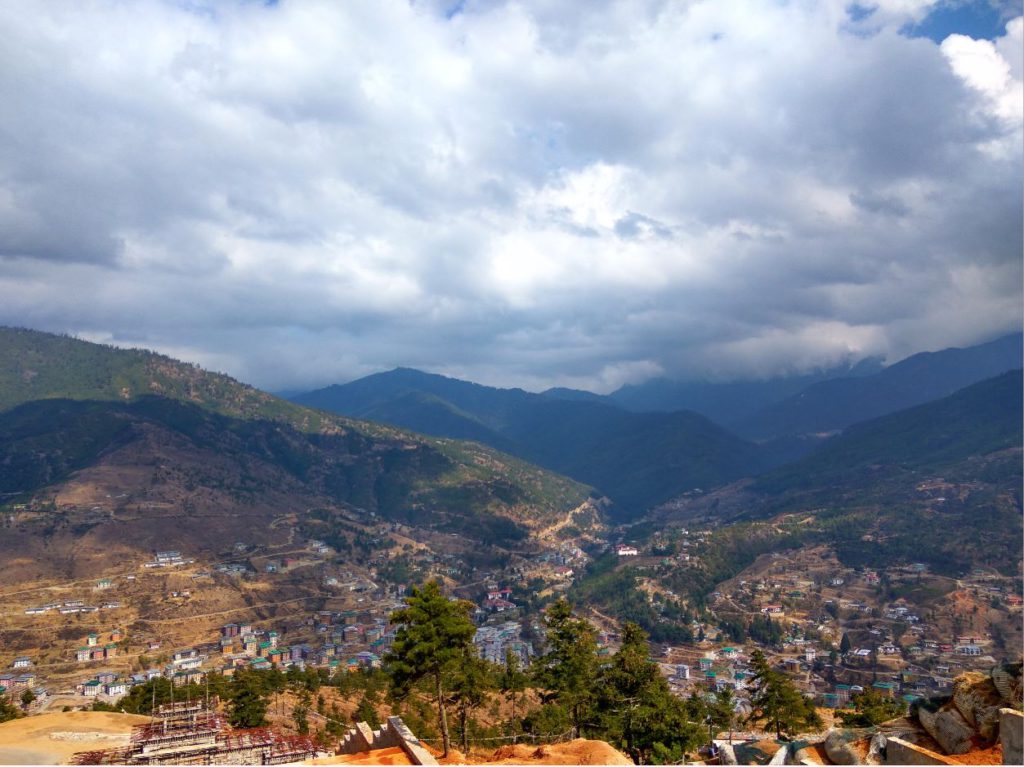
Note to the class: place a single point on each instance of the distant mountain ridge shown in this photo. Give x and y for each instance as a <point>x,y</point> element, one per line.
<point>727,402</point>
<point>832,405</point>
<point>637,459</point>
<point>820,402</point>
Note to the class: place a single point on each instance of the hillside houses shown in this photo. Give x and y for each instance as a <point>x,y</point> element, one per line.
<point>167,559</point>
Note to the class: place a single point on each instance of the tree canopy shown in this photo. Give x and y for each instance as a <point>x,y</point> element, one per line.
<point>434,635</point>
<point>777,702</point>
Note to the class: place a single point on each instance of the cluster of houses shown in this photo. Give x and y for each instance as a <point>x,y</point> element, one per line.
<point>71,607</point>
<point>493,643</point>
<point>21,678</point>
<point>168,559</point>
<point>94,650</point>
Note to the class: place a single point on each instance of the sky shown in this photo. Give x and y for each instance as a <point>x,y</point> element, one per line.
<point>530,193</point>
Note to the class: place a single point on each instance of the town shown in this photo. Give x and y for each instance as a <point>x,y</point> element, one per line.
<point>835,631</point>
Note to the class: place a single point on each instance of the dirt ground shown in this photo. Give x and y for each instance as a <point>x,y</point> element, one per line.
<point>578,751</point>
<point>54,738</point>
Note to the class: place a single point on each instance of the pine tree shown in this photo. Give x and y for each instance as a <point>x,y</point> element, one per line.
<point>777,702</point>
<point>472,680</point>
<point>300,715</point>
<point>636,708</point>
<point>365,712</point>
<point>513,682</point>
<point>248,703</point>
<point>567,672</point>
<point>435,633</point>
<point>8,710</point>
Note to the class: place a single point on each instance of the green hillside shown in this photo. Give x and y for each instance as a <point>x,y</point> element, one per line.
<point>939,483</point>
<point>636,459</point>
<point>979,419</point>
<point>67,403</point>
<point>35,366</point>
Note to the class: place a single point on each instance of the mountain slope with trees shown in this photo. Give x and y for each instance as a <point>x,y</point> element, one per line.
<point>72,409</point>
<point>938,483</point>
<point>637,459</point>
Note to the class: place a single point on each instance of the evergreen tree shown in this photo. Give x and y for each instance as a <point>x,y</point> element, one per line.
<point>300,712</point>
<point>248,700</point>
<point>777,702</point>
<point>567,672</point>
<point>723,709</point>
<point>513,682</point>
<point>365,712</point>
<point>471,682</point>
<point>8,710</point>
<point>435,633</point>
<point>845,644</point>
<point>636,708</point>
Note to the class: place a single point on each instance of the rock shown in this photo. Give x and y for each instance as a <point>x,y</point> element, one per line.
<point>726,754</point>
<point>1011,734</point>
<point>978,701</point>
<point>839,747</point>
<point>876,749</point>
<point>802,756</point>
<point>1007,680</point>
<point>948,728</point>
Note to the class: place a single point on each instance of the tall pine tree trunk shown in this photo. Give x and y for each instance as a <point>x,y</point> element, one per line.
<point>514,723</point>
<point>442,717</point>
<point>463,714</point>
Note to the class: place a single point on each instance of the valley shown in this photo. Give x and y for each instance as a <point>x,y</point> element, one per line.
<point>212,528</point>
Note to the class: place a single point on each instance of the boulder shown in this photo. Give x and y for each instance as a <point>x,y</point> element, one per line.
<point>948,728</point>
<point>876,749</point>
<point>1011,734</point>
<point>978,701</point>
<point>1007,680</point>
<point>839,747</point>
<point>726,754</point>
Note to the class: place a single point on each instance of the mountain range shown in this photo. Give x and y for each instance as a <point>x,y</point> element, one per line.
<point>111,448</point>
<point>938,483</point>
<point>639,456</point>
<point>636,459</point>
<point>822,401</point>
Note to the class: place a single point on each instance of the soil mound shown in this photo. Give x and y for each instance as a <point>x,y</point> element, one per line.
<point>53,738</point>
<point>578,751</point>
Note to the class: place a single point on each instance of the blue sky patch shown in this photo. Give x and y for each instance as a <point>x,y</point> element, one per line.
<point>979,19</point>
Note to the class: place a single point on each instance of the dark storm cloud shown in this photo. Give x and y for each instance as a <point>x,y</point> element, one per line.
<point>518,193</point>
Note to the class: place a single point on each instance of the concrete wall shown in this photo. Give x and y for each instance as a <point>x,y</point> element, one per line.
<point>394,734</point>
<point>899,751</point>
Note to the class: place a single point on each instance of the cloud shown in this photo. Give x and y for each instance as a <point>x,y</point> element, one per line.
<point>305,192</point>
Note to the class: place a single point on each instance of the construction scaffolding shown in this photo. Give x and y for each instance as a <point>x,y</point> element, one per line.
<point>191,733</point>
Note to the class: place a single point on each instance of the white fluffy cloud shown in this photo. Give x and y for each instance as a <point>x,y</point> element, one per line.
<point>515,192</point>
